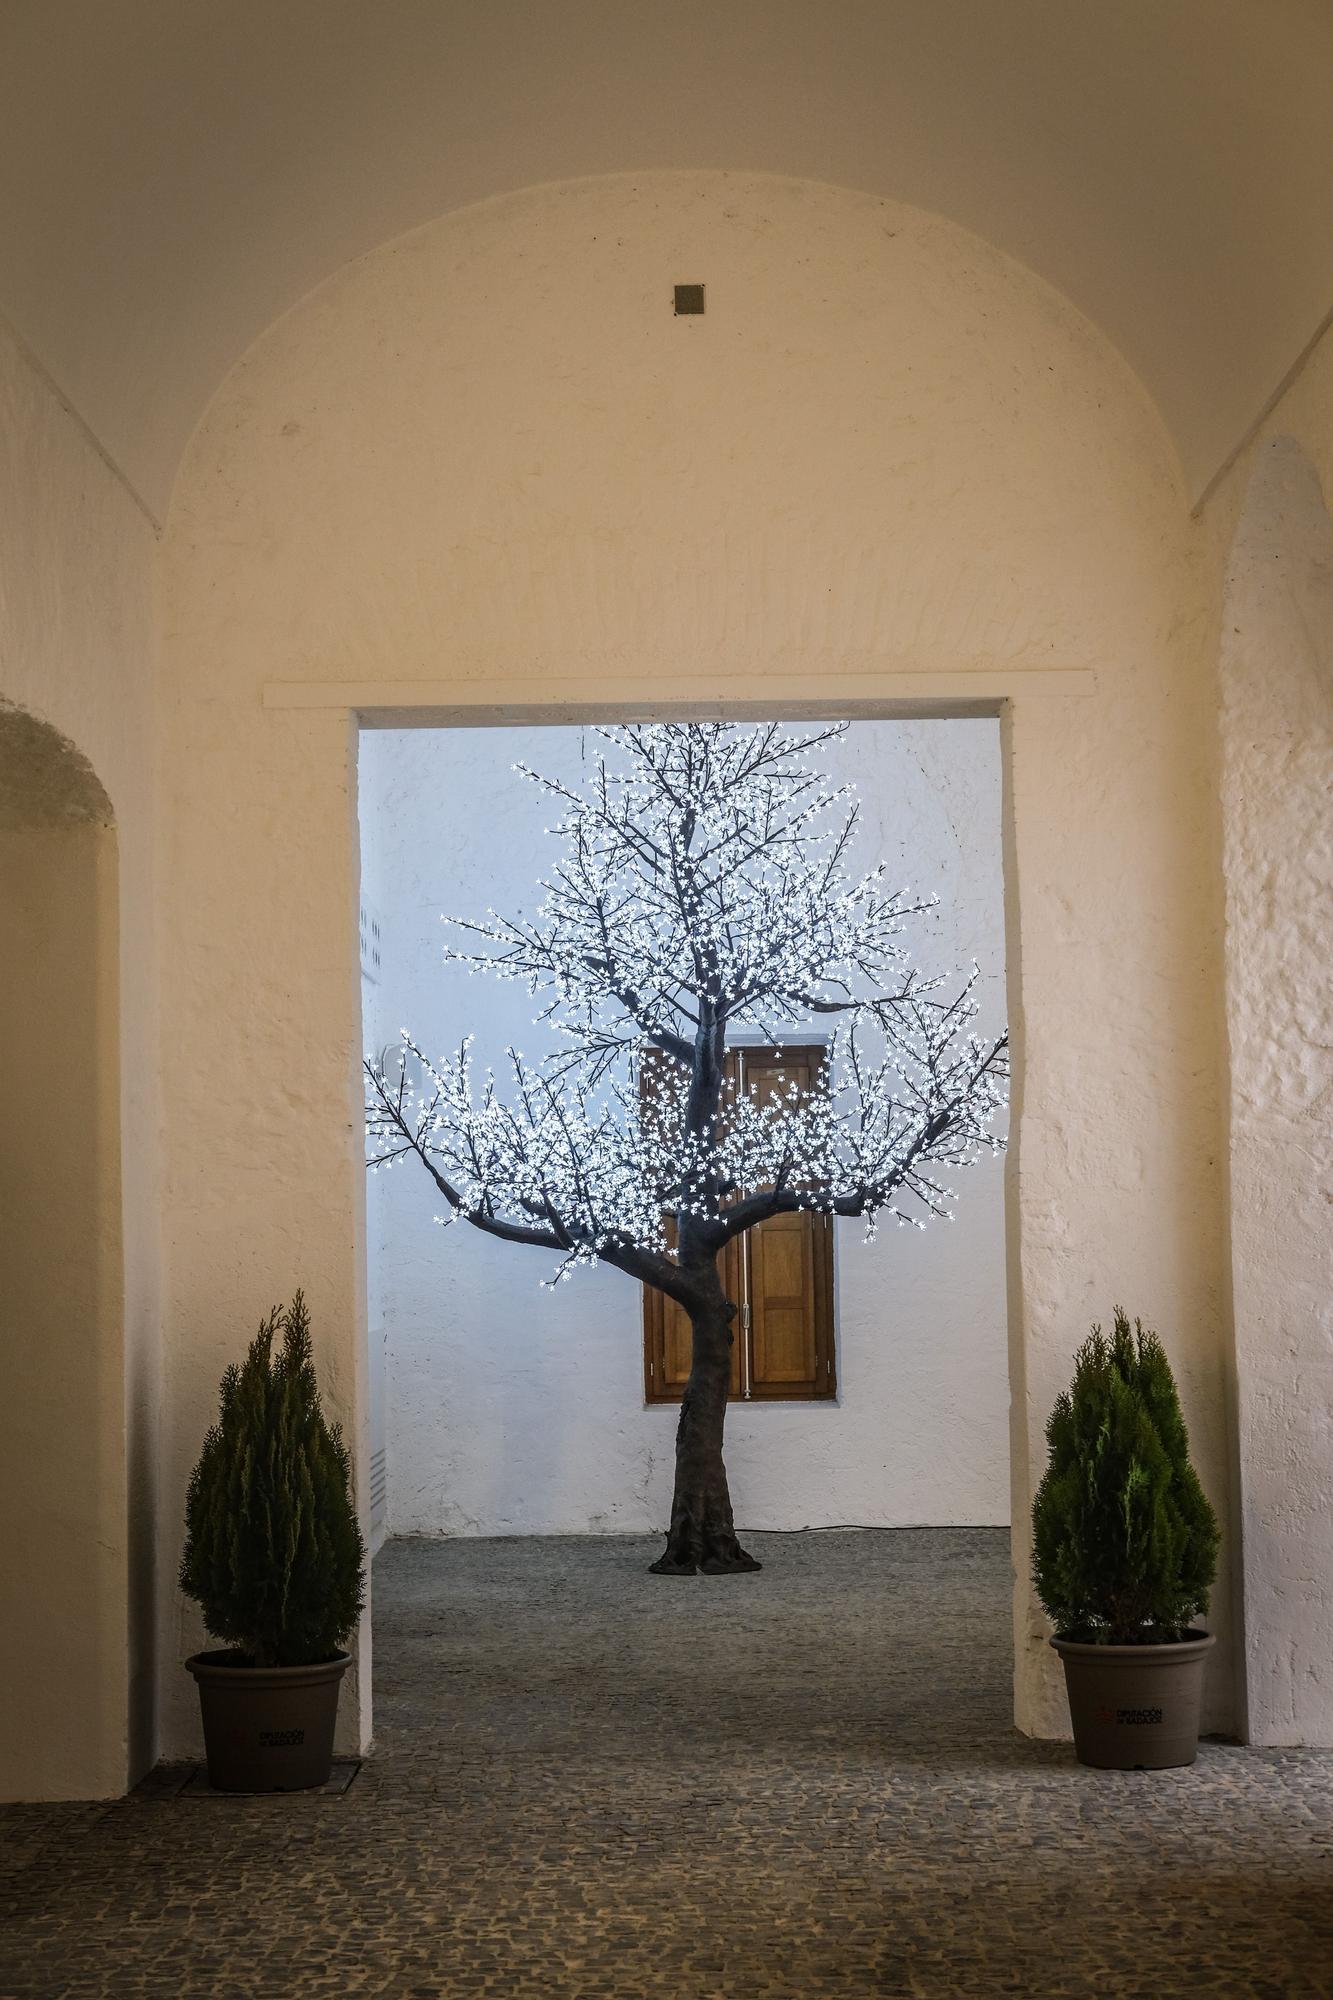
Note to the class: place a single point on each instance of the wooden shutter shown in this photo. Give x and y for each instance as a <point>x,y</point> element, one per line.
<point>789,1264</point>
<point>668,1341</point>
<point>780,1274</point>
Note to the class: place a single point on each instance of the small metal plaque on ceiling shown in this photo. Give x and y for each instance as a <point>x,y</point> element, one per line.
<point>689,298</point>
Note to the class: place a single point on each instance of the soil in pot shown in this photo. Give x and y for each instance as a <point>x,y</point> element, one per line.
<point>267,1729</point>
<point>1135,1707</point>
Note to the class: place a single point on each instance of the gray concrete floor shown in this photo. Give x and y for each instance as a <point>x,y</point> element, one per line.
<point>591,1782</point>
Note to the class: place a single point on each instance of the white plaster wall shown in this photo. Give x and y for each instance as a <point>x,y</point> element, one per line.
<point>1277,802</point>
<point>77,559</point>
<point>62,1431</point>
<point>489,449</point>
<point>516,1411</point>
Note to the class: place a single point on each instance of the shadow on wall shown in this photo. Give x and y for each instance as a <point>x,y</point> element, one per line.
<point>63,1692</point>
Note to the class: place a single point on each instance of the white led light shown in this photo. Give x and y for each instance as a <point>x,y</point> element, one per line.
<point>702,891</point>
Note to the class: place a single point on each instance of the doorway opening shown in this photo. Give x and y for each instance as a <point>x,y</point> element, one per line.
<point>871,1378</point>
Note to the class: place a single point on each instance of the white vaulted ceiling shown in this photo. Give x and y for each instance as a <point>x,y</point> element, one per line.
<point>177,172</point>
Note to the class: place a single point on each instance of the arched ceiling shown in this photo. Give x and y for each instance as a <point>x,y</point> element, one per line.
<point>178,172</point>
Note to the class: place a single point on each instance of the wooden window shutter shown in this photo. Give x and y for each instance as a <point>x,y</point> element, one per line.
<point>667,1338</point>
<point>789,1265</point>
<point>780,1275</point>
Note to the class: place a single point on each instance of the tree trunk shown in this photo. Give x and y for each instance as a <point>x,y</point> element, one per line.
<point>702,1535</point>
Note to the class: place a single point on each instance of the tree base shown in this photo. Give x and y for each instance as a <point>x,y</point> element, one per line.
<point>734,1565</point>
<point>724,1557</point>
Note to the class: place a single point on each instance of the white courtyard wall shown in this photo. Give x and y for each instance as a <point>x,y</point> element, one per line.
<point>514,1410</point>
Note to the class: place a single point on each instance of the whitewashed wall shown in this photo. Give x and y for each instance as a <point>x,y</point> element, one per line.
<point>1277,801</point>
<point>80,1364</point>
<point>512,1409</point>
<point>489,450</point>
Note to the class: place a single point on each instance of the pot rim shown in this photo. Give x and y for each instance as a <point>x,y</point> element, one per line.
<point>1170,1649</point>
<point>218,1666</point>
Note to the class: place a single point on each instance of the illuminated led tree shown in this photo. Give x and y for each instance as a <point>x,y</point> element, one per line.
<point>703,891</point>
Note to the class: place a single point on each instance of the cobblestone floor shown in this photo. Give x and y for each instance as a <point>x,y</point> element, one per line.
<point>602,1785</point>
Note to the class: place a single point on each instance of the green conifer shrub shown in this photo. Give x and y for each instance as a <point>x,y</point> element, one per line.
<point>273,1552</point>
<point>1124,1541</point>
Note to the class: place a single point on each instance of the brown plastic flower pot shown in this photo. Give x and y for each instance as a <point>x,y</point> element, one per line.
<point>267,1729</point>
<point>1135,1708</point>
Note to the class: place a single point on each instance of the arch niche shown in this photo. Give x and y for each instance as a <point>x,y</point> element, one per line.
<point>63,1669</point>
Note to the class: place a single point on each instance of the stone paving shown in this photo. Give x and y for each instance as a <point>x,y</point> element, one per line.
<point>593,1783</point>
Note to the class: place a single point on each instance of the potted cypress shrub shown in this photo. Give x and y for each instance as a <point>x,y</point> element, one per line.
<point>1124,1554</point>
<point>275,1560</point>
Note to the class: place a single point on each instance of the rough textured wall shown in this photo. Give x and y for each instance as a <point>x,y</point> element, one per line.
<point>520,1411</point>
<point>491,448</point>
<point>1277,801</point>
<point>62,1430</point>
<point>77,564</point>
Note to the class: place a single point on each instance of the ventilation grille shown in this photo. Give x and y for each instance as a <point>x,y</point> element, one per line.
<point>370,943</point>
<point>379,1495</point>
